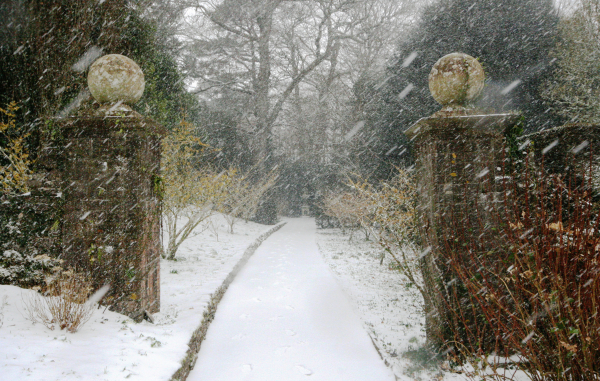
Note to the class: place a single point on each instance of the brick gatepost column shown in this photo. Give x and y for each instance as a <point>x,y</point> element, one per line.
<point>108,168</point>
<point>458,152</point>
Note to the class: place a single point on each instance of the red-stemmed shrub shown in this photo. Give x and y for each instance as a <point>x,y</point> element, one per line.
<point>522,275</point>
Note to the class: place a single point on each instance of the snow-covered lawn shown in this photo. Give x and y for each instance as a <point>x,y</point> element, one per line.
<point>111,346</point>
<point>390,307</point>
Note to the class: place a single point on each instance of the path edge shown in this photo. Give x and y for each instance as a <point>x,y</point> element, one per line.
<point>188,362</point>
<point>374,341</point>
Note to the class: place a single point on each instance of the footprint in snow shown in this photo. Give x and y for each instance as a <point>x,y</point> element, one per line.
<point>305,371</point>
<point>247,368</point>
<point>256,300</point>
<point>289,332</point>
<point>239,337</point>
<point>244,316</point>
<point>275,318</point>
<point>282,350</point>
<point>289,307</point>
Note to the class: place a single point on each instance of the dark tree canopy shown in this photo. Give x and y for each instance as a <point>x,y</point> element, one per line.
<point>511,38</point>
<point>43,50</point>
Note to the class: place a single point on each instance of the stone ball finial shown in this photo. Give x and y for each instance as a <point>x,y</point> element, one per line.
<point>114,77</point>
<point>456,79</point>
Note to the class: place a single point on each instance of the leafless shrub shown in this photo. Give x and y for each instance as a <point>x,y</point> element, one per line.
<point>193,190</point>
<point>65,305</point>
<point>244,192</point>
<point>351,210</point>
<point>524,282</point>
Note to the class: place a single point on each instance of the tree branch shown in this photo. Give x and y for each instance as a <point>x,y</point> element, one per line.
<point>296,81</point>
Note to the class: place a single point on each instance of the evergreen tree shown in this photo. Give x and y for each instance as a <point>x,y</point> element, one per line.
<point>574,90</point>
<point>511,38</point>
<point>46,48</point>
<point>232,144</point>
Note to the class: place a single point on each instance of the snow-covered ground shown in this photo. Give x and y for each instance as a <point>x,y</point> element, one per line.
<point>390,307</point>
<point>285,317</point>
<point>111,346</point>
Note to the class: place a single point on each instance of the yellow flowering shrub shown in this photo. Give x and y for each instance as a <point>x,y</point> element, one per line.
<point>192,189</point>
<point>14,157</point>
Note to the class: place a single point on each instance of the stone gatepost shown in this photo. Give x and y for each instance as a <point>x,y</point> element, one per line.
<point>459,153</point>
<point>108,165</point>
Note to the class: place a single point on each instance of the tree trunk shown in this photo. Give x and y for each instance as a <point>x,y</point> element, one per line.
<point>267,212</point>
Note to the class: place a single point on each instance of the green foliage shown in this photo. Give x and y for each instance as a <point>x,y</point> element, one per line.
<point>26,270</point>
<point>158,186</point>
<point>165,98</point>
<point>573,90</point>
<point>511,136</point>
<point>23,221</point>
<point>43,42</point>
<point>233,145</point>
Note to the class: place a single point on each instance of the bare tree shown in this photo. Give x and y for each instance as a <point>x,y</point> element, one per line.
<point>245,35</point>
<point>316,123</point>
<point>249,38</point>
<point>288,66</point>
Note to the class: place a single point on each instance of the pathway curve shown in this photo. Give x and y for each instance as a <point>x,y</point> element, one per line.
<point>285,318</point>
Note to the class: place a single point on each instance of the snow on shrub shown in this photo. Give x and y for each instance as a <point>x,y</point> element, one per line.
<point>25,270</point>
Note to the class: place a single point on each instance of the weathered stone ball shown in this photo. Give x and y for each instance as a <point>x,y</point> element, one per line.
<point>456,79</point>
<point>114,78</point>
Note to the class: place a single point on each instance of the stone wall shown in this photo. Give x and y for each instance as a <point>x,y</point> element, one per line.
<point>470,179</point>
<point>462,165</point>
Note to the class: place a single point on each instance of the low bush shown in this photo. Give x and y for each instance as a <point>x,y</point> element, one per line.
<point>386,212</point>
<point>350,210</point>
<point>27,271</point>
<point>244,193</point>
<point>65,304</point>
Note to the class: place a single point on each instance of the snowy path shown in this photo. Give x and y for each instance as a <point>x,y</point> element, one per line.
<point>284,317</point>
